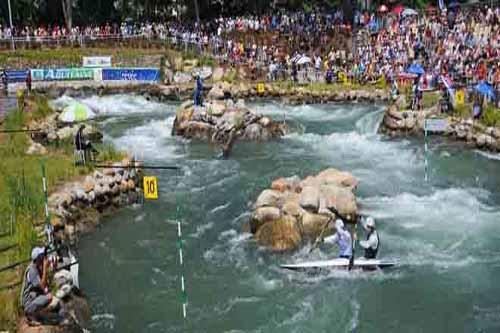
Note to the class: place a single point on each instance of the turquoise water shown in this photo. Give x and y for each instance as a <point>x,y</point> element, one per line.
<point>444,232</point>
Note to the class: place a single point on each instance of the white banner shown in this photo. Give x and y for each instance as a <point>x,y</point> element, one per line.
<point>436,125</point>
<point>96,61</point>
<point>98,74</point>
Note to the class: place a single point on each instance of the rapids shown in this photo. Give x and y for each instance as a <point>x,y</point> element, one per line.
<point>443,232</point>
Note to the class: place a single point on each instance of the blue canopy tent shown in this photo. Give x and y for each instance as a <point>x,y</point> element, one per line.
<point>485,89</point>
<point>415,69</point>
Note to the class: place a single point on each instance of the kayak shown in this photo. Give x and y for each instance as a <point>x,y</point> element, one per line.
<point>341,263</point>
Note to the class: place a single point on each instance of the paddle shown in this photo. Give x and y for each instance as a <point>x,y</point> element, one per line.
<point>338,215</point>
<point>351,260</point>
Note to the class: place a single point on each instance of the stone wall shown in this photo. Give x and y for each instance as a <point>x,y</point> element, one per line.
<point>76,207</point>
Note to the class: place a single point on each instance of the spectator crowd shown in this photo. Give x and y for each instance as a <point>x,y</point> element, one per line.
<point>460,44</point>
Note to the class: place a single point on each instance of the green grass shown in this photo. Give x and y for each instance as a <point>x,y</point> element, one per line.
<point>491,116</point>
<point>72,57</point>
<point>21,194</point>
<point>430,99</point>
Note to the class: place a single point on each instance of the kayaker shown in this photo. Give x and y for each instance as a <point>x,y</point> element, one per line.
<point>343,240</point>
<point>372,242</point>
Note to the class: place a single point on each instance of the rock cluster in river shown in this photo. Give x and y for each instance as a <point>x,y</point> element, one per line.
<point>53,131</point>
<point>77,206</point>
<point>295,210</point>
<point>398,121</point>
<point>221,121</point>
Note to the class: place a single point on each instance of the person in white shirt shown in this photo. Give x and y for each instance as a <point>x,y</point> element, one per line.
<point>372,242</point>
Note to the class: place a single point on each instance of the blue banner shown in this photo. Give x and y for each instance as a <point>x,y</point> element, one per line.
<point>16,76</point>
<point>130,74</point>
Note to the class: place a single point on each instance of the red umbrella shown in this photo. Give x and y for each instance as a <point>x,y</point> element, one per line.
<point>383,9</point>
<point>398,9</point>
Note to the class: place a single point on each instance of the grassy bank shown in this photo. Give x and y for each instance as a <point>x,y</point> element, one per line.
<point>72,57</point>
<point>22,199</point>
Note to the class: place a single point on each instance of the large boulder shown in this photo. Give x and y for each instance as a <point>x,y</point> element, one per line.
<point>294,210</point>
<point>280,235</point>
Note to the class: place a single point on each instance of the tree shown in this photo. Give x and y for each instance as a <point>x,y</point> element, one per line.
<point>67,6</point>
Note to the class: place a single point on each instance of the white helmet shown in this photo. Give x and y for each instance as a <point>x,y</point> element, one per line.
<point>370,222</point>
<point>339,224</point>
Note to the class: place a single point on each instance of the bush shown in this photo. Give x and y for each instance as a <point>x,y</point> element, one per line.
<point>490,116</point>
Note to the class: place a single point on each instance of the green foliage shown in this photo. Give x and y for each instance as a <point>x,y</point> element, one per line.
<point>207,60</point>
<point>230,76</point>
<point>462,111</point>
<point>430,99</point>
<point>108,152</point>
<point>491,116</point>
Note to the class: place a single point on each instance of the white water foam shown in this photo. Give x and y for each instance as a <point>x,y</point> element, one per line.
<point>234,302</point>
<point>201,230</point>
<point>104,320</point>
<point>152,140</point>
<point>311,113</point>
<point>125,105</point>
<point>488,155</point>
<point>443,229</point>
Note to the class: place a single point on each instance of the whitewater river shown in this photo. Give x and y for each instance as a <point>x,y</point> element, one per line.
<point>444,233</point>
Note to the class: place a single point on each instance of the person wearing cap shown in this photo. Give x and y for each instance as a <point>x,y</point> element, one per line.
<point>372,242</point>
<point>35,296</point>
<point>342,238</point>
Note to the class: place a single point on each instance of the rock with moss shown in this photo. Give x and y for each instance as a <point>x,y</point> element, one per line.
<point>293,210</point>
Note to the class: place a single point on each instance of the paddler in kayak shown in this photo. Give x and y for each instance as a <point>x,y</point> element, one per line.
<point>372,241</point>
<point>343,240</point>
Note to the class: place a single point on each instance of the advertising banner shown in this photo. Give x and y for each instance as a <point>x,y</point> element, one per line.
<point>436,125</point>
<point>130,74</point>
<point>62,74</point>
<point>16,76</point>
<point>96,61</point>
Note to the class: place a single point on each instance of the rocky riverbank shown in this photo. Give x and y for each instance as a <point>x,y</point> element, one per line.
<point>398,121</point>
<point>76,207</point>
<point>294,211</point>
<point>293,94</point>
<point>223,122</point>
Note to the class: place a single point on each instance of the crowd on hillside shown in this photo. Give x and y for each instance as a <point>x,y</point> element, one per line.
<point>461,44</point>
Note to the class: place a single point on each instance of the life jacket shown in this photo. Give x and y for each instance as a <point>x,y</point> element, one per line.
<point>371,253</point>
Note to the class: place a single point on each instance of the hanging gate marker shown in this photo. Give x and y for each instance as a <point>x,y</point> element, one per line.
<point>181,256</point>
<point>48,226</point>
<point>181,263</point>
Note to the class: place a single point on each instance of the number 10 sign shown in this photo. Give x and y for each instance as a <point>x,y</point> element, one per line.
<point>150,188</point>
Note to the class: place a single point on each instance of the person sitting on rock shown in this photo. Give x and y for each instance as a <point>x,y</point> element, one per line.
<point>372,242</point>
<point>343,240</point>
<point>35,297</point>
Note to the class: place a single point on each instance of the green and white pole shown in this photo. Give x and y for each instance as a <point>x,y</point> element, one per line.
<point>48,226</point>
<point>181,263</point>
